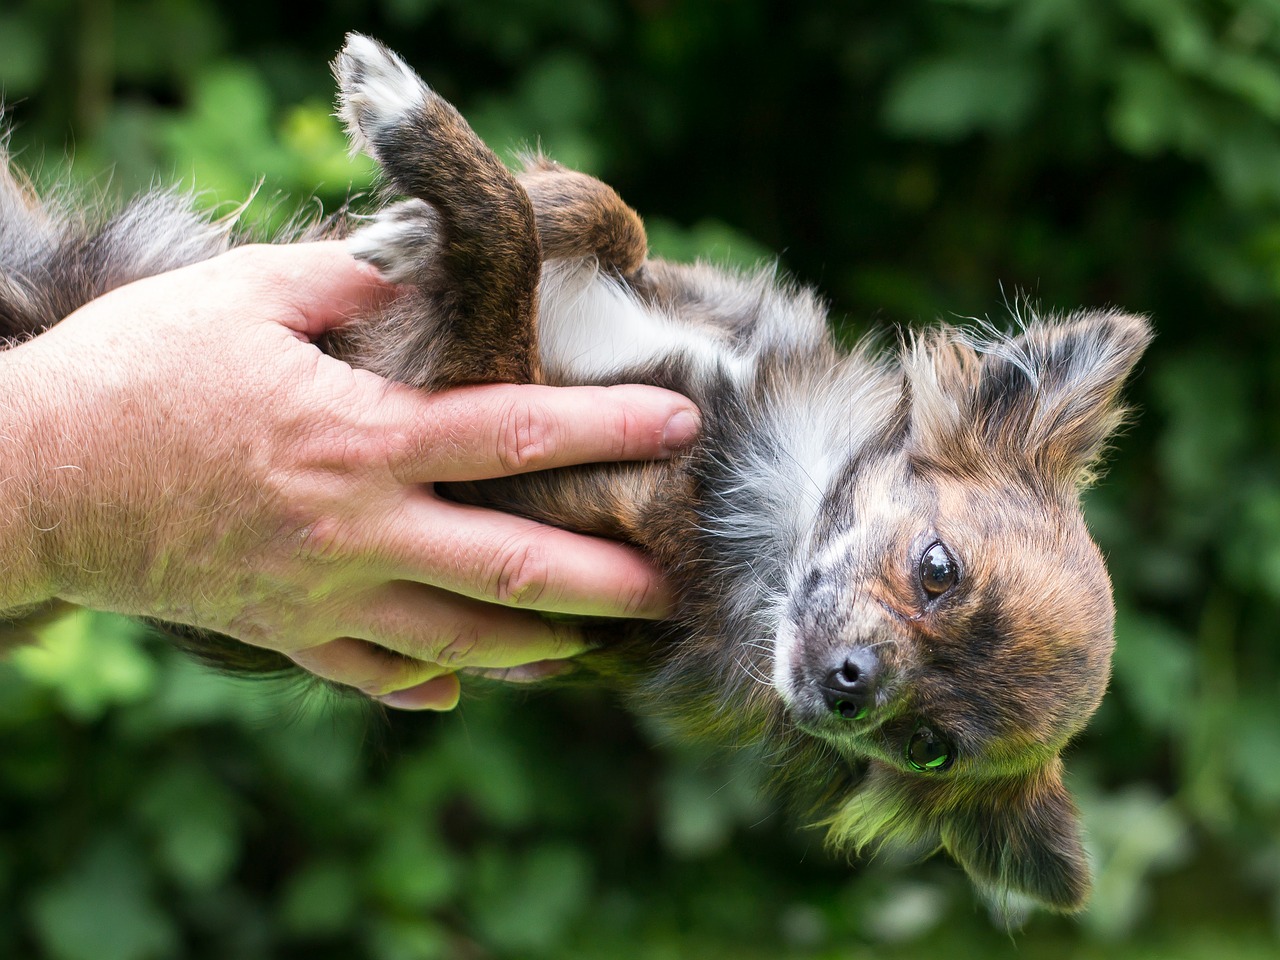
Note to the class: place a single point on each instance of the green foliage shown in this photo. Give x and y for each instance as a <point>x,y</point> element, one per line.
<point>914,161</point>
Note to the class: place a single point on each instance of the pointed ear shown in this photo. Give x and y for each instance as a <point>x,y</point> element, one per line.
<point>1049,394</point>
<point>1055,388</point>
<point>1024,839</point>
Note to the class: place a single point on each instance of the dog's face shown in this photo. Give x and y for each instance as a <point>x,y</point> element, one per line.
<point>950,626</point>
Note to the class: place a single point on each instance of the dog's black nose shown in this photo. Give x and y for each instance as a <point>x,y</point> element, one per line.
<point>850,688</point>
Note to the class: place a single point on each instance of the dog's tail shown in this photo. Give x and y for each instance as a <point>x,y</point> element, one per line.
<point>61,250</point>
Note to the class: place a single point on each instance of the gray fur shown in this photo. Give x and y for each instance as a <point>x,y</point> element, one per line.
<point>793,532</point>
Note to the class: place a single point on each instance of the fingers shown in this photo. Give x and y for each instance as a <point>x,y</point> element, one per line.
<point>408,641</point>
<point>442,693</point>
<point>394,680</point>
<point>368,668</point>
<point>474,433</point>
<point>495,557</point>
<point>525,673</point>
<point>455,632</point>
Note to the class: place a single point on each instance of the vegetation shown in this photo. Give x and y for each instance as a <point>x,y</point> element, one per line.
<point>912,160</point>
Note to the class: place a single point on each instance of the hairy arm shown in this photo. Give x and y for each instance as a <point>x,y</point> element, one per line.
<point>180,449</point>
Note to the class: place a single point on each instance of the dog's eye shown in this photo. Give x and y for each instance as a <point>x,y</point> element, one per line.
<point>939,571</point>
<point>928,752</point>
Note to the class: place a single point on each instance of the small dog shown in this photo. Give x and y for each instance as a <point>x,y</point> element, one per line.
<point>893,542</point>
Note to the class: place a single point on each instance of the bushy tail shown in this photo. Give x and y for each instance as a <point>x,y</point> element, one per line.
<point>60,251</point>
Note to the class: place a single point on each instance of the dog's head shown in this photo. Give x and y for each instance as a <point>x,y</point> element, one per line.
<point>950,627</point>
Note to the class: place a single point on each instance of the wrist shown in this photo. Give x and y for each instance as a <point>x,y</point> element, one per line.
<point>78,521</point>
<point>26,579</point>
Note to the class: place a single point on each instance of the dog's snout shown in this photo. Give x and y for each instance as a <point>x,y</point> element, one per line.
<point>850,688</point>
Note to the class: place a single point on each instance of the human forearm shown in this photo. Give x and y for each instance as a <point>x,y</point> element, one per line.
<point>25,581</point>
<point>181,450</point>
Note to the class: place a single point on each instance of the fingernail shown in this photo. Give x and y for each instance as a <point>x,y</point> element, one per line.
<point>401,700</point>
<point>681,430</point>
<point>440,694</point>
<point>527,673</point>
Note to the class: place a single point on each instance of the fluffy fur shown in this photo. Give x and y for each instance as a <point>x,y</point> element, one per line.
<point>882,571</point>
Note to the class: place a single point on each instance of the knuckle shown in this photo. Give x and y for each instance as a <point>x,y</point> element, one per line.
<point>522,574</point>
<point>375,670</point>
<point>401,447</point>
<point>335,448</point>
<point>361,455</point>
<point>565,642</point>
<point>324,540</point>
<point>625,435</point>
<point>637,598</point>
<point>526,439</point>
<point>381,684</point>
<point>460,649</point>
<point>621,427</point>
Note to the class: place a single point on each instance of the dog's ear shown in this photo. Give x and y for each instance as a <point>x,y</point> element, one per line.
<point>1048,396</point>
<point>1017,838</point>
<point>1023,838</point>
<point>1054,389</point>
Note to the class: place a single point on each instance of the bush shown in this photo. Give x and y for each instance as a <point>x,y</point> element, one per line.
<point>913,161</point>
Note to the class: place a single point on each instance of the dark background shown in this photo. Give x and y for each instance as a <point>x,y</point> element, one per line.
<point>914,161</point>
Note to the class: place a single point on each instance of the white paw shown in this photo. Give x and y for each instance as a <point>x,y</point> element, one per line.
<point>376,89</point>
<point>402,241</point>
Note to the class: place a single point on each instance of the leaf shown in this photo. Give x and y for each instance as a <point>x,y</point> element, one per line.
<point>904,911</point>
<point>1151,111</point>
<point>553,107</point>
<point>102,909</point>
<point>1254,748</point>
<point>317,149</point>
<point>950,97</point>
<point>1205,396</point>
<point>321,748</point>
<point>24,55</point>
<point>195,825</point>
<point>321,899</point>
<point>410,868</point>
<point>404,939</point>
<point>1131,835</point>
<point>1251,554</point>
<point>1155,670</point>
<point>91,661</point>
<point>527,902</point>
<point>188,694</point>
<point>491,772</point>
<point>710,240</point>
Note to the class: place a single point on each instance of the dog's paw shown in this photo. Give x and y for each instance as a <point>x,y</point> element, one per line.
<point>402,241</point>
<point>377,91</point>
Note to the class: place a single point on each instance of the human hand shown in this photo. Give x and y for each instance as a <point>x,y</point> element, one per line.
<point>185,452</point>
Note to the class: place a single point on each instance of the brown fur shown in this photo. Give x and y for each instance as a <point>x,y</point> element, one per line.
<point>579,217</point>
<point>810,623</point>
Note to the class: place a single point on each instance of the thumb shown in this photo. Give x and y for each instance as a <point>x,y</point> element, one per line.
<point>322,284</point>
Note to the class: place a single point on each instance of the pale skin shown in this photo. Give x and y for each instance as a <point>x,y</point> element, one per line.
<point>181,449</point>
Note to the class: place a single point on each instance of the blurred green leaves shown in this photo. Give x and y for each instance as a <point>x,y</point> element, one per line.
<point>22,51</point>
<point>102,909</point>
<point>952,97</point>
<point>193,823</point>
<point>912,161</point>
<point>1133,833</point>
<point>525,903</point>
<point>89,662</point>
<point>554,103</point>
